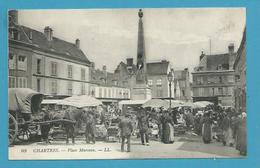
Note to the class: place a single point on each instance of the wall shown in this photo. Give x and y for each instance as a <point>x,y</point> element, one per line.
<point>62,79</point>
<point>163,88</point>
<point>21,51</point>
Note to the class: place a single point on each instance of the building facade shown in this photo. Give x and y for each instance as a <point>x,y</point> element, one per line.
<point>156,75</point>
<point>106,87</point>
<point>44,63</point>
<point>213,80</point>
<point>240,76</point>
<point>182,86</point>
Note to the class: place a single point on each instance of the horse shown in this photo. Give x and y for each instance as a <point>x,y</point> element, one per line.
<point>76,116</point>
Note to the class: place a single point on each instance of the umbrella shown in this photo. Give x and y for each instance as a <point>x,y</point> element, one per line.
<point>80,101</point>
<point>155,103</point>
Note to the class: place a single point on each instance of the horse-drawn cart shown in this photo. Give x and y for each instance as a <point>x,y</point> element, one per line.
<point>24,104</point>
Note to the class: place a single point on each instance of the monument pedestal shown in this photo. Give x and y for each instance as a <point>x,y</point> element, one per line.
<point>141,92</point>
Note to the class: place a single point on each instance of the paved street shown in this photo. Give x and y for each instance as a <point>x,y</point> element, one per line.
<point>184,147</point>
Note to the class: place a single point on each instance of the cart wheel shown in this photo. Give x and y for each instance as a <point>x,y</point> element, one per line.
<point>24,133</point>
<point>13,129</point>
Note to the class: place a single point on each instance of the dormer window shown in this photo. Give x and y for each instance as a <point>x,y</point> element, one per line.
<point>219,67</point>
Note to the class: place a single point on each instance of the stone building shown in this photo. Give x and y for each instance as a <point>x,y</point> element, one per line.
<point>182,86</point>
<point>106,86</point>
<point>213,80</point>
<point>240,76</point>
<point>47,64</point>
<point>156,77</point>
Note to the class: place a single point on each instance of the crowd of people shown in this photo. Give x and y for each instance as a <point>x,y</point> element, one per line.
<point>211,123</point>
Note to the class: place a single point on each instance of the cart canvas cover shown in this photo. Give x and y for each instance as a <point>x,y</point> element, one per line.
<point>24,100</point>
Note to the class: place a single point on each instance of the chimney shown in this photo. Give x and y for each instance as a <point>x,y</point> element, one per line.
<point>202,55</point>
<point>13,15</point>
<point>231,55</point>
<point>77,43</point>
<point>231,48</point>
<point>48,33</point>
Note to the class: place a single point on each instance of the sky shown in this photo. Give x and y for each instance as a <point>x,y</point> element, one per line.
<point>109,36</point>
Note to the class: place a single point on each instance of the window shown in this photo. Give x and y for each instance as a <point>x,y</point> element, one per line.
<point>11,61</point>
<point>83,74</point>
<point>127,94</point>
<point>159,82</point>
<point>38,66</point>
<point>70,88</point>
<point>183,93</point>
<point>220,79</point>
<point>199,80</point>
<point>150,82</point>
<point>54,87</point>
<point>21,82</point>
<point>11,82</point>
<point>230,79</point>
<point>219,67</point>
<point>220,91</point>
<point>69,71</point>
<point>159,92</point>
<point>14,34</point>
<point>105,92</point>
<point>83,90</point>
<point>22,63</point>
<point>53,69</point>
<point>109,93</point>
<point>100,92</point>
<point>38,85</point>
<point>213,92</point>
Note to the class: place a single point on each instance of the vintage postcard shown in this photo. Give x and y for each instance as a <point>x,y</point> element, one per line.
<point>127,83</point>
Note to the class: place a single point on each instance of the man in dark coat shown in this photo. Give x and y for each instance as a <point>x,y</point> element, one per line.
<point>143,125</point>
<point>90,131</point>
<point>45,128</point>
<point>126,130</point>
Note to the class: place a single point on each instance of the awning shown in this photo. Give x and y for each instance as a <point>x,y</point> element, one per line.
<point>51,101</point>
<point>133,102</point>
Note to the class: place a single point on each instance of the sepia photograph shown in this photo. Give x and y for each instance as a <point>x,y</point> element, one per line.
<point>130,83</point>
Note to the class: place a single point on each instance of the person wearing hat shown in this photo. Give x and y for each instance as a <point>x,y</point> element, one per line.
<point>45,128</point>
<point>143,125</point>
<point>90,130</point>
<point>206,128</point>
<point>126,129</point>
<point>227,131</point>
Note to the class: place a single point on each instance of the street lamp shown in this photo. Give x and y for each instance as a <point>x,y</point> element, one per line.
<point>170,79</point>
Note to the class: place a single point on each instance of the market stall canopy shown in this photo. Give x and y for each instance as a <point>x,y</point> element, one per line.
<point>51,101</point>
<point>24,100</point>
<point>132,102</point>
<point>176,103</point>
<point>80,101</point>
<point>156,103</point>
<point>202,104</point>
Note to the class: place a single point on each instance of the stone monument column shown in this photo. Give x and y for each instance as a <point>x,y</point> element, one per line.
<point>141,91</point>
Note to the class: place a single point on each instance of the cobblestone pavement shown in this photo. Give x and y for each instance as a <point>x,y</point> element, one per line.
<point>184,147</point>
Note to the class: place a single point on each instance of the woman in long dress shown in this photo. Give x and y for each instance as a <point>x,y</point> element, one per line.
<point>227,131</point>
<point>206,128</point>
<point>168,130</point>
